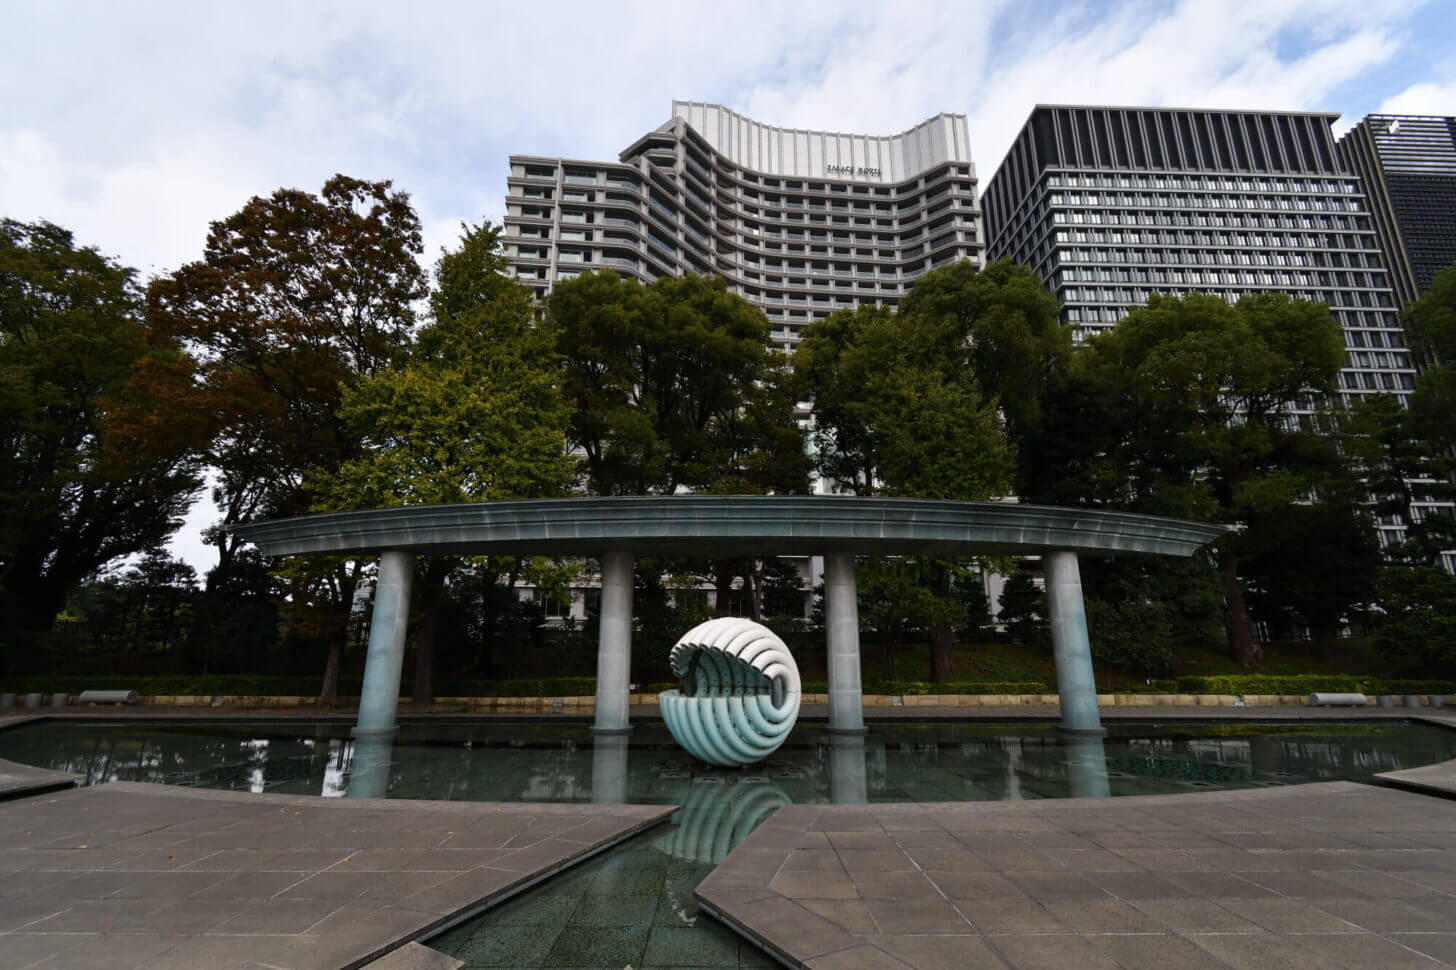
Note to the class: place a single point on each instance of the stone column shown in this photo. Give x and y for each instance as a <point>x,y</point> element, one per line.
<point>841,621</point>
<point>1072,648</point>
<point>379,699</point>
<point>614,644</point>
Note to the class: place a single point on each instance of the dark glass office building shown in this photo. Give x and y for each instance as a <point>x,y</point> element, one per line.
<point>1407,167</point>
<point>1113,205</point>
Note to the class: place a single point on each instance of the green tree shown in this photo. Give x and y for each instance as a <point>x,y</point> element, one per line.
<point>1020,608</point>
<point>296,298</point>
<point>1202,397</point>
<point>1416,625</point>
<point>673,386</point>
<point>470,414</point>
<point>900,404</point>
<point>1325,568</point>
<point>1405,469</point>
<point>94,467</point>
<point>1430,323</point>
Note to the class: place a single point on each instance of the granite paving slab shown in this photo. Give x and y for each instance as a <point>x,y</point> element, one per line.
<point>17,780</point>
<point>1436,779</point>
<point>1321,875</point>
<point>129,875</point>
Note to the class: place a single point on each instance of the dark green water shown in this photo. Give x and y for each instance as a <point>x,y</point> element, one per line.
<point>634,905</point>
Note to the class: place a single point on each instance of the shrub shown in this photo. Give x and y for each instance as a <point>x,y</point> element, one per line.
<point>1308,684</point>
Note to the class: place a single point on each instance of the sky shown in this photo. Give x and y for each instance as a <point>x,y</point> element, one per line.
<point>135,125</point>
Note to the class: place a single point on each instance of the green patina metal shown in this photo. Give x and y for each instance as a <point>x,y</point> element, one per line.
<point>731,524</point>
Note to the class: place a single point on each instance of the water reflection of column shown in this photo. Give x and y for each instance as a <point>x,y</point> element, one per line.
<point>847,785</point>
<point>609,769</point>
<point>1086,766</point>
<point>369,766</point>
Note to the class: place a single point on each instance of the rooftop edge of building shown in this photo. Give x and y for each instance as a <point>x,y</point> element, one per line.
<point>810,153</point>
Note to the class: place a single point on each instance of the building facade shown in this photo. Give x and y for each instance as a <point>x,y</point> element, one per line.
<point>1113,205</point>
<point>1407,167</point>
<point>800,223</point>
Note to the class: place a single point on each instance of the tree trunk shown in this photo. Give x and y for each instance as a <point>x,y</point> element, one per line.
<point>722,585</point>
<point>1246,650</point>
<point>329,693</point>
<point>754,576</point>
<point>941,634</point>
<point>424,685</point>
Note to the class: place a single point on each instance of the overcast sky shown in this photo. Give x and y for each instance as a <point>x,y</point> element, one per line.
<point>136,124</point>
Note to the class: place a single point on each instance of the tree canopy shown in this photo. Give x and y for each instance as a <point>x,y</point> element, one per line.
<point>97,463</point>
<point>674,387</point>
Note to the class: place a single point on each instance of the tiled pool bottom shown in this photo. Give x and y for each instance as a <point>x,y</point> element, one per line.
<point>633,906</point>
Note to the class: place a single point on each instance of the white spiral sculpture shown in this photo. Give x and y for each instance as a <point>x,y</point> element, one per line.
<point>740,693</point>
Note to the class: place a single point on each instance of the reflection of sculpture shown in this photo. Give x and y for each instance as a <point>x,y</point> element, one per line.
<point>715,818</point>
<point>740,693</point>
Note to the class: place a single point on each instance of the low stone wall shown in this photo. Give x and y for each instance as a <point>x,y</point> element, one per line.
<point>587,704</point>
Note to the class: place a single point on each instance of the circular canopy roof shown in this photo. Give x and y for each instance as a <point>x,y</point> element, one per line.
<point>711,526</point>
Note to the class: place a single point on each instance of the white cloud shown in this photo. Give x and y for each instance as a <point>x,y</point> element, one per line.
<point>1425,98</point>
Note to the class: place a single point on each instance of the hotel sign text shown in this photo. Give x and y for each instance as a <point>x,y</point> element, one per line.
<point>851,170</point>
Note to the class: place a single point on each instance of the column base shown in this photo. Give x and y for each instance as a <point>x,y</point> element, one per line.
<point>611,731</point>
<point>359,732</point>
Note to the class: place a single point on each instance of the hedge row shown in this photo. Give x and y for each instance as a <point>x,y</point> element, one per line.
<point>166,685</point>
<point>1308,684</point>
<point>294,686</point>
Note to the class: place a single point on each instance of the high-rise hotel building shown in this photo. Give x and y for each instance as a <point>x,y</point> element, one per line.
<point>1407,166</point>
<point>1113,205</point>
<point>800,223</point>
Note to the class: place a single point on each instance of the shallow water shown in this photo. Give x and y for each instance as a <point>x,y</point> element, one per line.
<point>634,905</point>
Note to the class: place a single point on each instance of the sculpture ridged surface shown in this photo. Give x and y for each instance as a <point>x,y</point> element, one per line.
<point>740,693</point>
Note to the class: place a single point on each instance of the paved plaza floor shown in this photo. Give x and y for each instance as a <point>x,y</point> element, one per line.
<point>1322,875</point>
<point>1327,875</point>
<point>17,780</point>
<point>128,875</point>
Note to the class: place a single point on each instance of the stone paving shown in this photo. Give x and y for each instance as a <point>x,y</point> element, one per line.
<point>17,780</point>
<point>130,875</point>
<point>1324,875</point>
<point>1437,779</point>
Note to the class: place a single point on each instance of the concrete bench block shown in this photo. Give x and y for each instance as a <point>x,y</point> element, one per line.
<point>107,696</point>
<point>1319,699</point>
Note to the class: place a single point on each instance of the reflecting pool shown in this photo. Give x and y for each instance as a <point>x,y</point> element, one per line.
<point>555,761</point>
<point>633,905</point>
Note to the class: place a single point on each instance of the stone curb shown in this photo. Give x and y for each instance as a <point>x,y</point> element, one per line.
<point>587,703</point>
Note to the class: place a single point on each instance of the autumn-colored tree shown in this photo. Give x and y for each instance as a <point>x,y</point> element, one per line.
<point>95,465</point>
<point>296,298</point>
